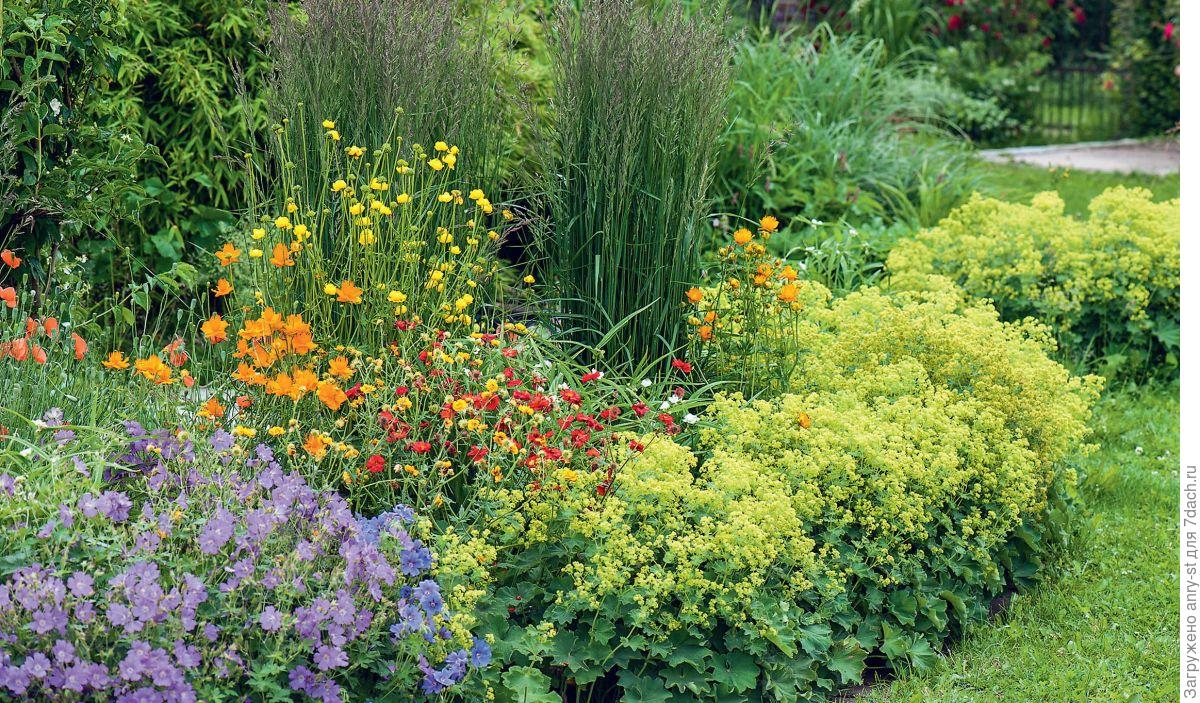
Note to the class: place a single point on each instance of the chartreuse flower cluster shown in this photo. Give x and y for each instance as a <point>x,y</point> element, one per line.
<point>200,568</point>
<point>906,475</point>
<point>396,235</point>
<point>1108,286</point>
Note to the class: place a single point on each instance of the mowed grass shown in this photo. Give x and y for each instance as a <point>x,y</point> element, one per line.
<point>1020,182</point>
<point>1105,627</point>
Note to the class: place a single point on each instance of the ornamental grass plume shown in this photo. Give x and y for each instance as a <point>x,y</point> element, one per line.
<point>638,110</point>
<point>356,61</point>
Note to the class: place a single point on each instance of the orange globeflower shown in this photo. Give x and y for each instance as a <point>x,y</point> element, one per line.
<point>315,447</point>
<point>706,332</point>
<point>694,295</point>
<point>212,409</point>
<point>154,369</point>
<point>228,254</point>
<point>768,223</point>
<point>81,346</point>
<point>349,293</point>
<point>330,395</point>
<point>116,361</point>
<point>742,236</point>
<point>787,292</point>
<point>9,296</point>
<point>339,366</point>
<point>224,288</point>
<point>214,329</point>
<point>281,256</point>
<point>9,258</point>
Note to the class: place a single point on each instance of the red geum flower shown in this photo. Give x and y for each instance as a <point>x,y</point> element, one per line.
<point>682,365</point>
<point>636,446</point>
<point>420,447</point>
<point>640,409</point>
<point>354,392</point>
<point>571,397</point>
<point>375,463</point>
<point>610,414</point>
<point>508,352</point>
<point>954,23</point>
<point>592,375</point>
<point>477,454</point>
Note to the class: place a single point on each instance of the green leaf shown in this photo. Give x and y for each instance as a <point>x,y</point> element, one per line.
<point>847,659</point>
<point>643,689</point>
<point>529,685</point>
<point>903,607</point>
<point>815,639</point>
<point>737,671</point>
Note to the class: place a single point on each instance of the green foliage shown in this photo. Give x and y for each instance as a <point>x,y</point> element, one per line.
<point>1145,40</point>
<point>825,127</point>
<point>631,154</point>
<point>914,469</point>
<point>1001,97</point>
<point>67,164</point>
<point>1108,286</point>
<point>189,82</point>
<point>357,62</point>
<point>1107,625</point>
<point>1017,183</point>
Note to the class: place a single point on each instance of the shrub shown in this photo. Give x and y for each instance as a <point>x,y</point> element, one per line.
<point>826,127</point>
<point>207,570</point>
<point>67,166</point>
<point>1108,286</point>
<point>1145,41</point>
<point>631,152</point>
<point>914,469</point>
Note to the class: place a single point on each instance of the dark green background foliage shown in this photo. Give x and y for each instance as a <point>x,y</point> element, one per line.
<point>1142,49</point>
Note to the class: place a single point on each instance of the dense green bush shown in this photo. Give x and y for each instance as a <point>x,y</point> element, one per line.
<point>1145,43</point>
<point>824,126</point>
<point>914,468</point>
<point>68,165</point>
<point>1108,286</point>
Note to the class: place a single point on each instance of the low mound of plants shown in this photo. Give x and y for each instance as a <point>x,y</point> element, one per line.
<point>1107,286</point>
<point>914,465</point>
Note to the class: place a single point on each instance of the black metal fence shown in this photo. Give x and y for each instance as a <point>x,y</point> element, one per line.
<point>1078,103</point>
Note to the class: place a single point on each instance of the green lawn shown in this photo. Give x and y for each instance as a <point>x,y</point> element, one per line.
<point>1105,628</point>
<point>1020,182</point>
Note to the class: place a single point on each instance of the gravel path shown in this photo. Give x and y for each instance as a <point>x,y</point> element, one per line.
<point>1126,156</point>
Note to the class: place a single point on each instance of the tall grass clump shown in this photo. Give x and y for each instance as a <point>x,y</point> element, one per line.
<point>355,62</point>
<point>825,126</point>
<point>638,111</point>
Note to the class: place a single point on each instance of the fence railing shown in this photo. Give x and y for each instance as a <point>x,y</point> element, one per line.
<point>1080,103</point>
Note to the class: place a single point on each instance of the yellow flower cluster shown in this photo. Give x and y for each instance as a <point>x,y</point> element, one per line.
<point>1111,281</point>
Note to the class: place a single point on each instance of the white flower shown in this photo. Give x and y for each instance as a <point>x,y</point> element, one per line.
<point>691,419</point>
<point>1138,451</point>
<point>645,383</point>
<point>665,406</point>
<point>56,106</point>
<point>674,399</point>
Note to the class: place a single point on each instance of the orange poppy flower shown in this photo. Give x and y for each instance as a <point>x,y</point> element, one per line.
<point>176,353</point>
<point>281,256</point>
<point>18,349</point>
<point>224,288</point>
<point>9,296</point>
<point>50,326</point>
<point>9,258</point>
<point>80,345</point>
<point>38,354</point>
